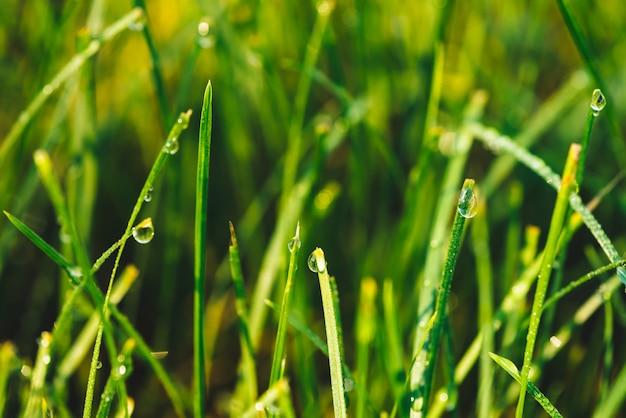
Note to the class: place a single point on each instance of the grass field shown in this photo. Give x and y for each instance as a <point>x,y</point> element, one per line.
<point>243,208</point>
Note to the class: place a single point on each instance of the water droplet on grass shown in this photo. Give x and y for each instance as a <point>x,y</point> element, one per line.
<point>144,232</point>
<point>598,101</point>
<point>75,273</point>
<point>293,245</point>
<point>171,145</point>
<point>316,265</point>
<point>147,197</point>
<point>99,365</point>
<point>121,370</point>
<point>467,202</point>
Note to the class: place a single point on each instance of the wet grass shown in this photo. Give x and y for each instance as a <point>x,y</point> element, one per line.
<point>124,289</point>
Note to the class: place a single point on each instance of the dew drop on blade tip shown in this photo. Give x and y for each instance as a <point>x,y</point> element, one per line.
<point>467,203</point>
<point>316,265</point>
<point>144,232</point>
<point>293,245</point>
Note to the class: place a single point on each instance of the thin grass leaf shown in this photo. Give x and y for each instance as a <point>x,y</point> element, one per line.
<point>279,360</point>
<point>568,187</point>
<point>465,209</point>
<point>365,333</point>
<point>200,233</point>
<point>317,264</point>
<point>510,368</point>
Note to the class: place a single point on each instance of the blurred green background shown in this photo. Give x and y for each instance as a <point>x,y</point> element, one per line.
<point>373,73</point>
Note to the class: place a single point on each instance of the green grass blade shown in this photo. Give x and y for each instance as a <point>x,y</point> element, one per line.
<point>202,187</point>
<point>510,368</point>
<point>278,364</point>
<point>365,333</point>
<point>248,365</point>
<point>484,275</point>
<point>292,156</point>
<point>73,271</point>
<point>438,234</point>
<point>493,140</point>
<point>466,209</point>
<point>568,186</point>
<point>317,264</point>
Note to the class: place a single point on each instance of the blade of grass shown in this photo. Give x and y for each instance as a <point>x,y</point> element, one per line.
<point>465,209</point>
<point>568,186</point>
<point>484,274</point>
<point>365,333</point>
<point>278,363</point>
<point>394,353</point>
<point>510,368</point>
<point>317,264</point>
<point>586,52</point>
<point>249,376</point>
<point>494,140</point>
<point>438,234</point>
<point>292,156</point>
<point>199,265</point>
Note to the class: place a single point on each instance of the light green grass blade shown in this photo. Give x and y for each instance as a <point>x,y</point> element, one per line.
<point>484,275</point>
<point>510,368</point>
<point>493,140</point>
<point>200,233</point>
<point>365,333</point>
<point>248,365</point>
<point>568,187</point>
<point>278,363</point>
<point>317,264</point>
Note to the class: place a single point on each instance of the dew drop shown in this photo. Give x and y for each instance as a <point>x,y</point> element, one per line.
<point>147,197</point>
<point>144,231</point>
<point>312,263</point>
<point>121,370</point>
<point>138,25</point>
<point>598,101</point>
<point>294,244</point>
<point>46,359</point>
<point>99,365</point>
<point>316,265</point>
<point>467,201</point>
<point>171,145</point>
<point>76,273</point>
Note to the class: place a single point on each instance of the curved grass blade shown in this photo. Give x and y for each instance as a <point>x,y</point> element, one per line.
<point>510,368</point>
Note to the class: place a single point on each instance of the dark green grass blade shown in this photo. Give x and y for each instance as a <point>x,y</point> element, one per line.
<point>202,187</point>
